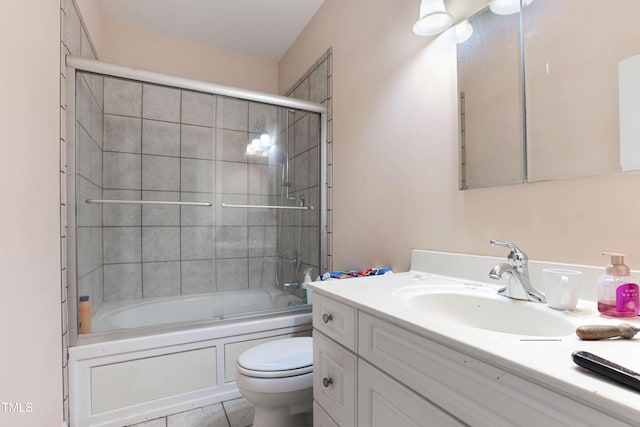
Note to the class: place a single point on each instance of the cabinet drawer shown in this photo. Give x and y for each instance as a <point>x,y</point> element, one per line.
<point>334,379</point>
<point>321,418</point>
<point>383,402</point>
<point>336,320</point>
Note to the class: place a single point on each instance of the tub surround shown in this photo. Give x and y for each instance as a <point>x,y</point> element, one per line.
<point>543,369</point>
<point>105,392</point>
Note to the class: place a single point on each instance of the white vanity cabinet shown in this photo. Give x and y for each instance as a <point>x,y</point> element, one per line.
<point>347,390</point>
<point>386,374</point>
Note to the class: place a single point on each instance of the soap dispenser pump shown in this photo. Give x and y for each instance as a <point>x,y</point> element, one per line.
<point>617,292</point>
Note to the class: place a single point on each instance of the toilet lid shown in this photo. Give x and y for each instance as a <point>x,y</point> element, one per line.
<point>285,357</point>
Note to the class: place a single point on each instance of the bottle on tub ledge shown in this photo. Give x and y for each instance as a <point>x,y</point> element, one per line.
<point>618,292</point>
<point>307,294</point>
<point>84,315</point>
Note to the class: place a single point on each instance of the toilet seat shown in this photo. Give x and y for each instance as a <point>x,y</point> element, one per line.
<point>278,359</point>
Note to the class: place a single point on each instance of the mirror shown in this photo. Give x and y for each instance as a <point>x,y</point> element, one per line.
<point>490,101</point>
<point>581,85</point>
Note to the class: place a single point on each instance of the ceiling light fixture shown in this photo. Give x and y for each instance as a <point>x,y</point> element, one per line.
<point>464,30</point>
<point>507,7</point>
<point>434,18</point>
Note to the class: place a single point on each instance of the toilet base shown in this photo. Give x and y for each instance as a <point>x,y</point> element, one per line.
<point>280,417</point>
<point>284,409</point>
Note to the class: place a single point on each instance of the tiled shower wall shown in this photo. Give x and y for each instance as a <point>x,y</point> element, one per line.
<point>89,185</point>
<point>316,85</point>
<point>167,144</point>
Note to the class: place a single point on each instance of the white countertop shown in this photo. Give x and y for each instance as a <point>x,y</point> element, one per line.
<point>546,362</point>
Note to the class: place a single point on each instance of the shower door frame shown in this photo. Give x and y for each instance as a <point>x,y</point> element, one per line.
<point>74,63</point>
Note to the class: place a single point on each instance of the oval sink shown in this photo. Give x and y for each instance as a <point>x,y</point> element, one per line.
<point>488,311</point>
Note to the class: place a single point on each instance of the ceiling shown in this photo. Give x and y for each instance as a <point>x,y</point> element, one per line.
<point>261,28</point>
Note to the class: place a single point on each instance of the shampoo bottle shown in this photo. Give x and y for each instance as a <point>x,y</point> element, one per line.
<point>617,292</point>
<point>307,295</point>
<point>84,315</point>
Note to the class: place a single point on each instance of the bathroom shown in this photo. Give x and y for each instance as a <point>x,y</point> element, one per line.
<point>389,86</point>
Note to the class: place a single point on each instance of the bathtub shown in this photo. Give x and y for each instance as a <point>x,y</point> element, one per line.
<point>188,308</point>
<point>125,377</point>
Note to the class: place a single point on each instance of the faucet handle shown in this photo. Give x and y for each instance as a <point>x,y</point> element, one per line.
<point>517,256</point>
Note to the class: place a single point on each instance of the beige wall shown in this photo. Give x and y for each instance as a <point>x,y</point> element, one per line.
<point>395,156</point>
<point>150,51</point>
<point>30,310</point>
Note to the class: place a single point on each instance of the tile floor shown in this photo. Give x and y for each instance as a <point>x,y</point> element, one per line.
<point>232,413</point>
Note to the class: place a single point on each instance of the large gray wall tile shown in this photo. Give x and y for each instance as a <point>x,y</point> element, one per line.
<point>197,142</point>
<point>121,215</point>
<point>88,214</point>
<point>122,245</point>
<point>122,282</point>
<point>198,108</point>
<point>122,134</point>
<point>301,130</point>
<point>161,215</point>
<point>198,276</point>
<point>231,242</point>
<point>197,175</point>
<point>263,118</point>
<point>318,91</point>
<point>262,241</point>
<point>262,179</point>
<point>160,173</point>
<point>231,177</point>
<point>197,243</point>
<point>232,273</point>
<point>301,171</point>
<point>160,103</point>
<point>232,114</point>
<point>89,250</point>
<point>122,97</point>
<point>160,244</point>
<point>231,145</point>
<point>262,272</point>
<point>231,216</point>
<point>162,138</point>
<point>160,279</point>
<point>122,171</point>
<point>263,216</point>
<point>198,215</point>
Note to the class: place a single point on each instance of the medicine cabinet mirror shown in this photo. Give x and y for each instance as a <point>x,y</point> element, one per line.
<point>574,67</point>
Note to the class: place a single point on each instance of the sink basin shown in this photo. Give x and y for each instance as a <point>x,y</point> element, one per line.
<point>481,308</point>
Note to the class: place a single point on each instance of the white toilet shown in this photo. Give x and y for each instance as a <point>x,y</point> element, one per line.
<point>277,378</point>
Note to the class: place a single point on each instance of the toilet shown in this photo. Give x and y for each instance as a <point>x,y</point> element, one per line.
<point>277,378</point>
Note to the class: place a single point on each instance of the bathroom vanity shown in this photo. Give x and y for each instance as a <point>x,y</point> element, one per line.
<point>387,353</point>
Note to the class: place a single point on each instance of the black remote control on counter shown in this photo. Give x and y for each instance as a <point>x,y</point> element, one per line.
<point>607,368</point>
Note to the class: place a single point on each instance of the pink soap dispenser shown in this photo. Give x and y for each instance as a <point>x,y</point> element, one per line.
<point>617,292</point>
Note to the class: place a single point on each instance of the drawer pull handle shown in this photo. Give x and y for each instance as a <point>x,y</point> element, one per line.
<point>326,318</point>
<point>327,381</point>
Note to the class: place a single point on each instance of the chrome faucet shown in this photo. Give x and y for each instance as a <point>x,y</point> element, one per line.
<point>290,286</point>
<point>517,267</point>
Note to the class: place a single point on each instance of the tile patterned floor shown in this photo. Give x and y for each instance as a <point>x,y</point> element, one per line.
<point>232,413</point>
